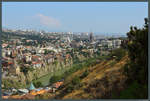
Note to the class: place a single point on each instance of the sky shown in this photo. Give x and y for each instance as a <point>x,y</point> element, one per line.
<point>103,17</point>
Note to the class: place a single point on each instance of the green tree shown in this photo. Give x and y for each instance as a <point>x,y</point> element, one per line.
<point>54,78</point>
<point>137,68</point>
<point>37,84</point>
<point>138,53</point>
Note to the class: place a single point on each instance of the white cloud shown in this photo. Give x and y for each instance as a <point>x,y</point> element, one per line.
<point>48,21</point>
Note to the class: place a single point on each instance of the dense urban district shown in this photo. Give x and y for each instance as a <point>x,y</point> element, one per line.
<point>67,65</point>
<point>29,55</point>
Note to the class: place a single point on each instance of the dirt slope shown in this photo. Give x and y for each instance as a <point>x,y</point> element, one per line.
<point>103,79</point>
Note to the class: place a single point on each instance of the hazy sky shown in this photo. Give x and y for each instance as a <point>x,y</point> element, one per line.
<point>107,17</point>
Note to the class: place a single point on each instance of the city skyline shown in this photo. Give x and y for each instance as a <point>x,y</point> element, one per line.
<point>80,17</point>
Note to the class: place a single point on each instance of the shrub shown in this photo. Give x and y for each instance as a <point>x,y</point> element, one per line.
<point>55,78</point>
<point>69,88</point>
<point>37,84</point>
<point>132,91</point>
<point>118,53</point>
<point>76,80</point>
<point>84,74</point>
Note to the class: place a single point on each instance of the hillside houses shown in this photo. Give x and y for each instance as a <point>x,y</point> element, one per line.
<point>33,55</point>
<point>30,56</point>
<point>45,54</point>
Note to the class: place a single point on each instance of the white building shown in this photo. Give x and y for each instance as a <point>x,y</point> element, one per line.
<point>116,43</point>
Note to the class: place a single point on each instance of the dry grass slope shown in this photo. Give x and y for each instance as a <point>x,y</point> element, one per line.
<point>99,83</point>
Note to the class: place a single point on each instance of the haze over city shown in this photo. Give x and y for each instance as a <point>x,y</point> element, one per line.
<point>98,17</point>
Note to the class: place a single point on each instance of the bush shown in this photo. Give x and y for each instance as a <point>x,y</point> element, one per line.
<point>76,80</point>
<point>69,88</point>
<point>118,53</point>
<point>132,92</point>
<point>84,74</point>
<point>55,78</point>
<point>75,84</point>
<point>37,84</point>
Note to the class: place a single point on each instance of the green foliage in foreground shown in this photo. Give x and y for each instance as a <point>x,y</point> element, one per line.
<point>138,53</point>
<point>137,68</point>
<point>133,91</point>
